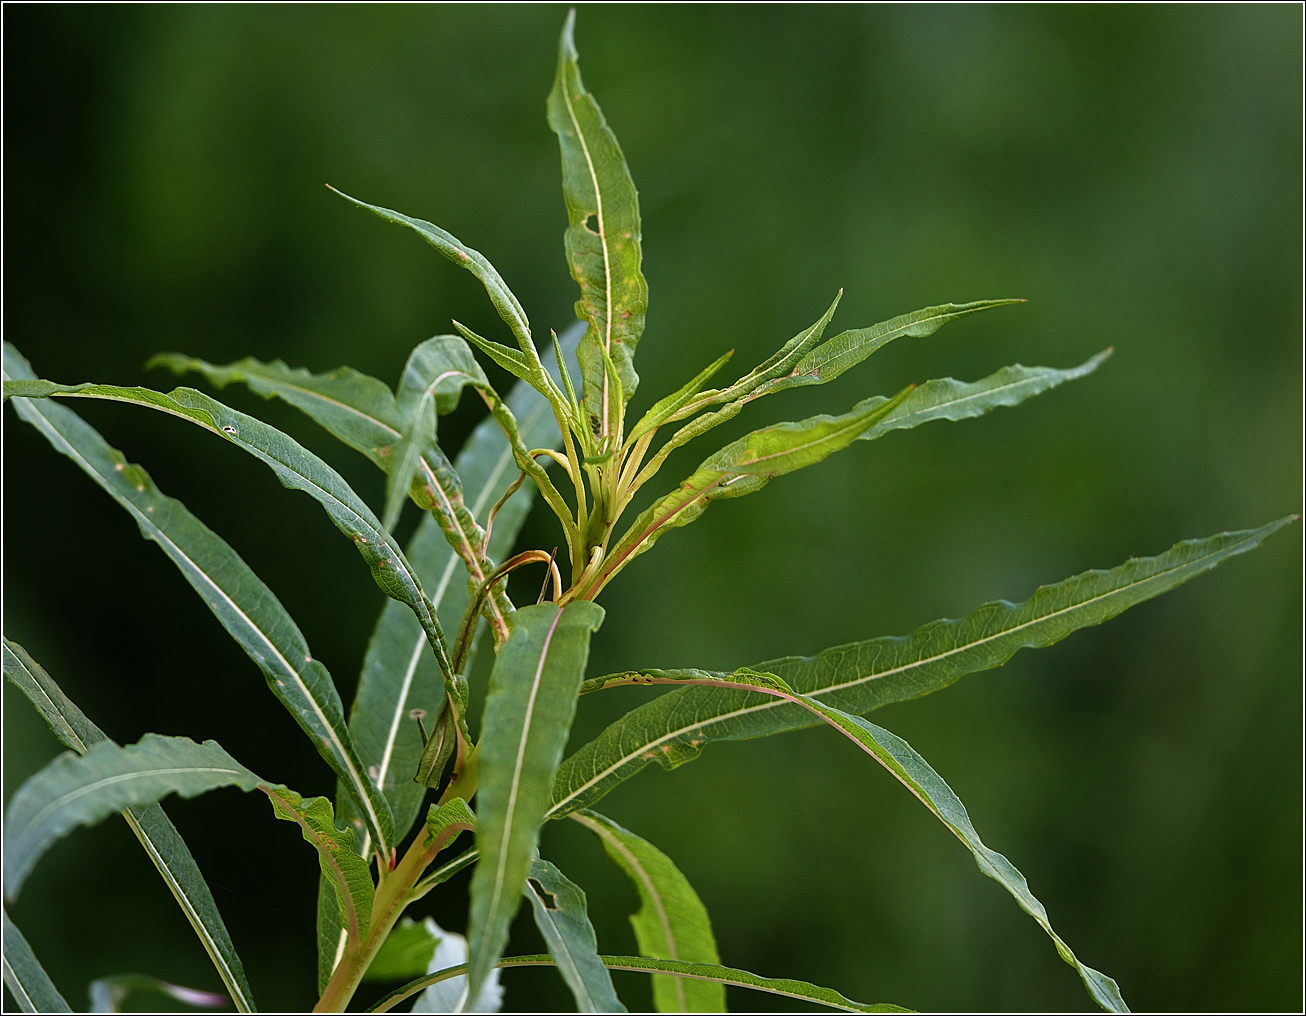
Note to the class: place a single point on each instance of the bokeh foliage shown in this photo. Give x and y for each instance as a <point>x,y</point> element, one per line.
<point>1133,171</point>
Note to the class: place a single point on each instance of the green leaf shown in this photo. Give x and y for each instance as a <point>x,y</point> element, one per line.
<point>348,872</point>
<point>26,978</point>
<point>863,676</point>
<point>238,598</point>
<point>671,923</point>
<point>897,756</point>
<point>78,790</point>
<point>690,971</point>
<point>356,408</point>
<point>295,467</point>
<point>743,467</point>
<point>780,363</point>
<point>563,920</point>
<point>847,349</point>
<point>460,254</point>
<point>405,953</point>
<point>528,713</point>
<point>666,409</point>
<point>948,399</point>
<point>514,361</point>
<point>152,827</point>
<point>434,377</point>
<point>107,994</point>
<point>604,259</point>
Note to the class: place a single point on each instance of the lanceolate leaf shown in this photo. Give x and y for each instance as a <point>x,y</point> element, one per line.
<point>434,377</point>
<point>528,714</point>
<point>863,676</point>
<point>348,872</point>
<point>361,411</point>
<point>666,409</point>
<point>603,234</point>
<point>689,971</point>
<point>295,466</point>
<point>563,920</point>
<point>915,773</point>
<point>847,349</point>
<point>78,790</point>
<point>947,399</point>
<point>743,467</point>
<point>238,598</point>
<point>152,827</point>
<point>671,923</point>
<point>25,977</point>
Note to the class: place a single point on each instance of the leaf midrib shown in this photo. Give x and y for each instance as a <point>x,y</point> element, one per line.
<point>873,677</point>
<point>144,519</point>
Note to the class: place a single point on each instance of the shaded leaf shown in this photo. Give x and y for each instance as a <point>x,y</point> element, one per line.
<point>671,922</point>
<point>75,790</point>
<point>690,971</point>
<point>405,954</point>
<point>238,598</point>
<point>25,977</point>
<point>434,377</point>
<point>863,676</point>
<point>604,258</point>
<point>349,873</point>
<point>164,845</point>
<point>528,713</point>
<point>563,920</point>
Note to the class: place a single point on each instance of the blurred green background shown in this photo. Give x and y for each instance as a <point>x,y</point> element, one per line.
<point>1135,172</point>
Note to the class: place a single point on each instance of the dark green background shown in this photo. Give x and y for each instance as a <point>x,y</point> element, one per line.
<point>1134,172</point>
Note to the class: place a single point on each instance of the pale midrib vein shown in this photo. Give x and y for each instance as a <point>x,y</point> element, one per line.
<point>1055,379</point>
<point>654,896</point>
<point>570,959</point>
<point>870,677</point>
<point>476,507</point>
<point>16,985</point>
<point>517,765</point>
<point>197,922</point>
<point>603,243</point>
<point>163,537</point>
<point>109,781</point>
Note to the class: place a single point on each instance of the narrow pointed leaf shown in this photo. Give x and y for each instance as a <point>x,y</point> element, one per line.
<point>349,874</point>
<point>25,977</point>
<point>356,408</point>
<point>743,467</point>
<point>78,790</point>
<point>528,714</point>
<point>238,598</point>
<point>847,349</point>
<point>399,673</point>
<point>897,756</point>
<point>434,377</point>
<point>863,676</point>
<point>514,361</point>
<point>164,845</point>
<point>666,409</point>
<point>780,363</point>
<point>948,399</point>
<point>295,467</point>
<point>671,923</point>
<point>603,234</point>
<point>563,920</point>
<point>709,972</point>
<point>460,254</point>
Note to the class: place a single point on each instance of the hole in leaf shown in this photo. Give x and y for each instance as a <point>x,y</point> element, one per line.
<point>549,900</point>
<point>592,224</point>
